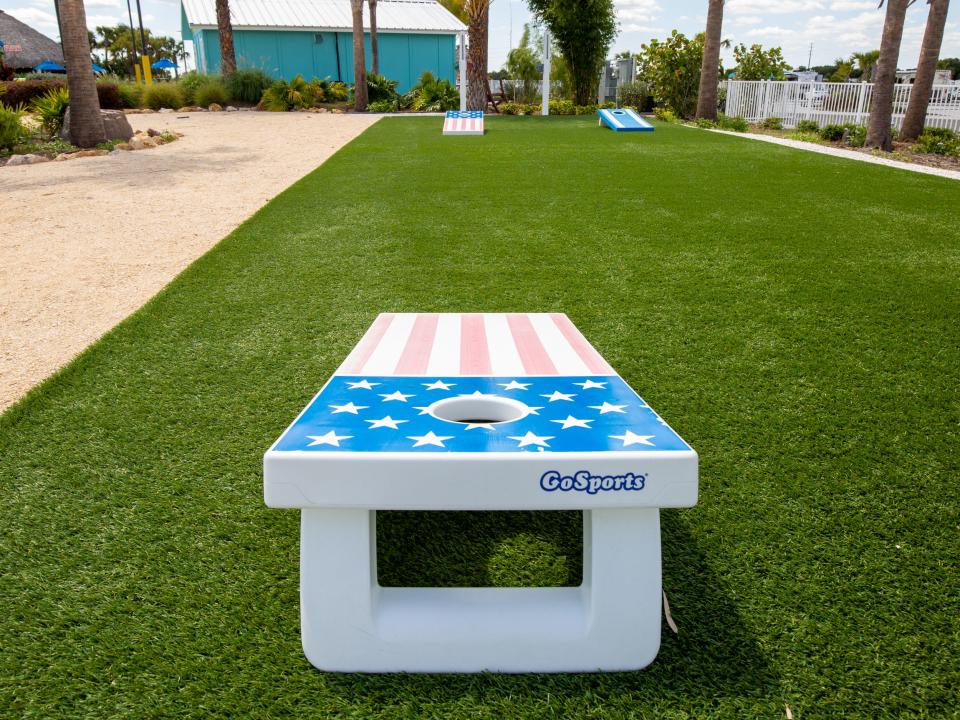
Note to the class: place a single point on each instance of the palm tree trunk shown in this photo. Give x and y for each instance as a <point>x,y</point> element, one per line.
<point>228,58</point>
<point>86,123</point>
<point>709,69</point>
<point>916,114</point>
<point>374,59</point>
<point>479,13</point>
<point>885,75</point>
<point>359,59</point>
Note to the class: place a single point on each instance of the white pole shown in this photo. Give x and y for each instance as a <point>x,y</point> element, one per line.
<point>545,89</point>
<point>463,71</point>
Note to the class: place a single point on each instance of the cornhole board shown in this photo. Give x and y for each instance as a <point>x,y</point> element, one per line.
<point>624,120</point>
<point>463,122</point>
<point>479,412</point>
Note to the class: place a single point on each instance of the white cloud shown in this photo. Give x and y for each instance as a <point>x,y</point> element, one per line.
<point>33,17</point>
<point>747,20</point>
<point>94,21</point>
<point>846,5</point>
<point>772,31</point>
<point>777,7</point>
<point>638,16</point>
<point>102,3</point>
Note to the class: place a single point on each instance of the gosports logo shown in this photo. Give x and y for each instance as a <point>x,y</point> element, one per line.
<point>583,481</point>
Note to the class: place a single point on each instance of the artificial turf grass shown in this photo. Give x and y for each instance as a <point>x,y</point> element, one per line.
<point>792,315</point>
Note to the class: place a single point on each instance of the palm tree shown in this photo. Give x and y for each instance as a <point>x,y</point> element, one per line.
<point>228,59</point>
<point>881,106</point>
<point>707,96</point>
<point>86,123</point>
<point>374,59</point>
<point>916,114</point>
<point>359,59</point>
<point>866,61</point>
<point>478,13</point>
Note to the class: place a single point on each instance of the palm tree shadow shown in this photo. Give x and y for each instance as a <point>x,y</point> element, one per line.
<point>713,656</point>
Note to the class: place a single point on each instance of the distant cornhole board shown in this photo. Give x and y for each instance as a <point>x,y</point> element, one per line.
<point>624,120</point>
<point>463,122</point>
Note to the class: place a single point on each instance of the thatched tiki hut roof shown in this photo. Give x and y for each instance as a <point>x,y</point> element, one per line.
<point>25,48</point>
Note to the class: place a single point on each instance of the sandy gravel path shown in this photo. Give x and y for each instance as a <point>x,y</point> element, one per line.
<point>84,243</point>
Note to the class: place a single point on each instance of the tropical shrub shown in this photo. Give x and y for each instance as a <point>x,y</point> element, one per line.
<point>294,95</point>
<point>379,88</point>
<point>163,95</point>
<point>211,92</point>
<point>432,95</point>
<point>807,126</point>
<point>705,123</point>
<point>671,69</point>
<point>755,63</point>
<point>832,132</point>
<point>772,123</point>
<point>664,114</point>
<point>562,107</point>
<point>384,106</point>
<point>521,68</point>
<point>12,131</point>
<point>635,95</point>
<point>589,109</point>
<point>804,135</point>
<point>248,85</point>
<point>938,141</point>
<point>335,91</point>
<point>109,95</point>
<point>519,109</point>
<point>51,109</point>
<point>189,82</point>
<point>856,134</point>
<point>735,123</point>
<point>131,94</point>
<point>23,92</point>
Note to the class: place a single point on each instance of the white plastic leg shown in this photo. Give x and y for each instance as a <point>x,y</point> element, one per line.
<point>611,622</point>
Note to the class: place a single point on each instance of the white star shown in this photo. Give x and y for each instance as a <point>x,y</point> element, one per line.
<point>531,439</point>
<point>424,409</point>
<point>586,385</point>
<point>361,385</point>
<point>607,407</point>
<point>557,395</point>
<point>631,438</point>
<point>395,396</point>
<point>571,421</point>
<point>331,438</point>
<point>514,385</point>
<point>485,426</point>
<point>348,408</point>
<point>387,421</point>
<point>438,385</point>
<point>477,393</point>
<point>429,439</point>
<point>533,410</point>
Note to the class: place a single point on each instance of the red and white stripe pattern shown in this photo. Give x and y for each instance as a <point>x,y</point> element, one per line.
<point>452,344</point>
<point>466,122</point>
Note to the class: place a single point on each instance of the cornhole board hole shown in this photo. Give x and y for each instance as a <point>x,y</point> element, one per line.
<point>624,120</point>
<point>463,122</point>
<point>479,412</point>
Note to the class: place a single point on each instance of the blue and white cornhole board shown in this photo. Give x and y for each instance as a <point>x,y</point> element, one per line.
<point>463,122</point>
<point>479,412</point>
<point>624,120</point>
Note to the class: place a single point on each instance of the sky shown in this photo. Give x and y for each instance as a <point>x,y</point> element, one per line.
<point>836,28</point>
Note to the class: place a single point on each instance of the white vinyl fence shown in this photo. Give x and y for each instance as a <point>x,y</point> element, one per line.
<point>827,103</point>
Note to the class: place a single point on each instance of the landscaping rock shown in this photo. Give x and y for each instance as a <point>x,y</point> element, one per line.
<point>27,159</point>
<point>137,143</point>
<point>62,156</point>
<point>149,142</point>
<point>94,152</point>
<point>153,133</point>
<point>214,107</point>
<point>115,125</point>
<point>185,108</point>
<point>166,110</point>
<point>123,146</point>
<point>115,151</point>
<point>230,108</point>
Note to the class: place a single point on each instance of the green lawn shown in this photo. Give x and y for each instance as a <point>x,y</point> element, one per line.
<point>795,317</point>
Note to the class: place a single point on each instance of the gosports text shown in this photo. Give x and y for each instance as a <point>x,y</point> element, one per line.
<point>583,481</point>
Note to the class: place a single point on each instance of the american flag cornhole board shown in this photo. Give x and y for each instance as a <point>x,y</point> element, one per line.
<point>463,122</point>
<point>479,412</point>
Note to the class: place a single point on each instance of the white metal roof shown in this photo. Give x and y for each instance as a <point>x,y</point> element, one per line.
<point>392,15</point>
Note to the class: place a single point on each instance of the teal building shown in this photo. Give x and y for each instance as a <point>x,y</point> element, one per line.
<point>314,38</point>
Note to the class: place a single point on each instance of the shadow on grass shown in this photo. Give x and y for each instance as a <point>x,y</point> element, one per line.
<point>714,656</point>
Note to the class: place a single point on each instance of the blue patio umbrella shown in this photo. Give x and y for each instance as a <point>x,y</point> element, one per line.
<point>98,69</point>
<point>48,66</point>
<point>163,64</point>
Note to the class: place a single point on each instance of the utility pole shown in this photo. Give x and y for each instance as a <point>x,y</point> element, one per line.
<point>144,55</point>
<point>133,43</point>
